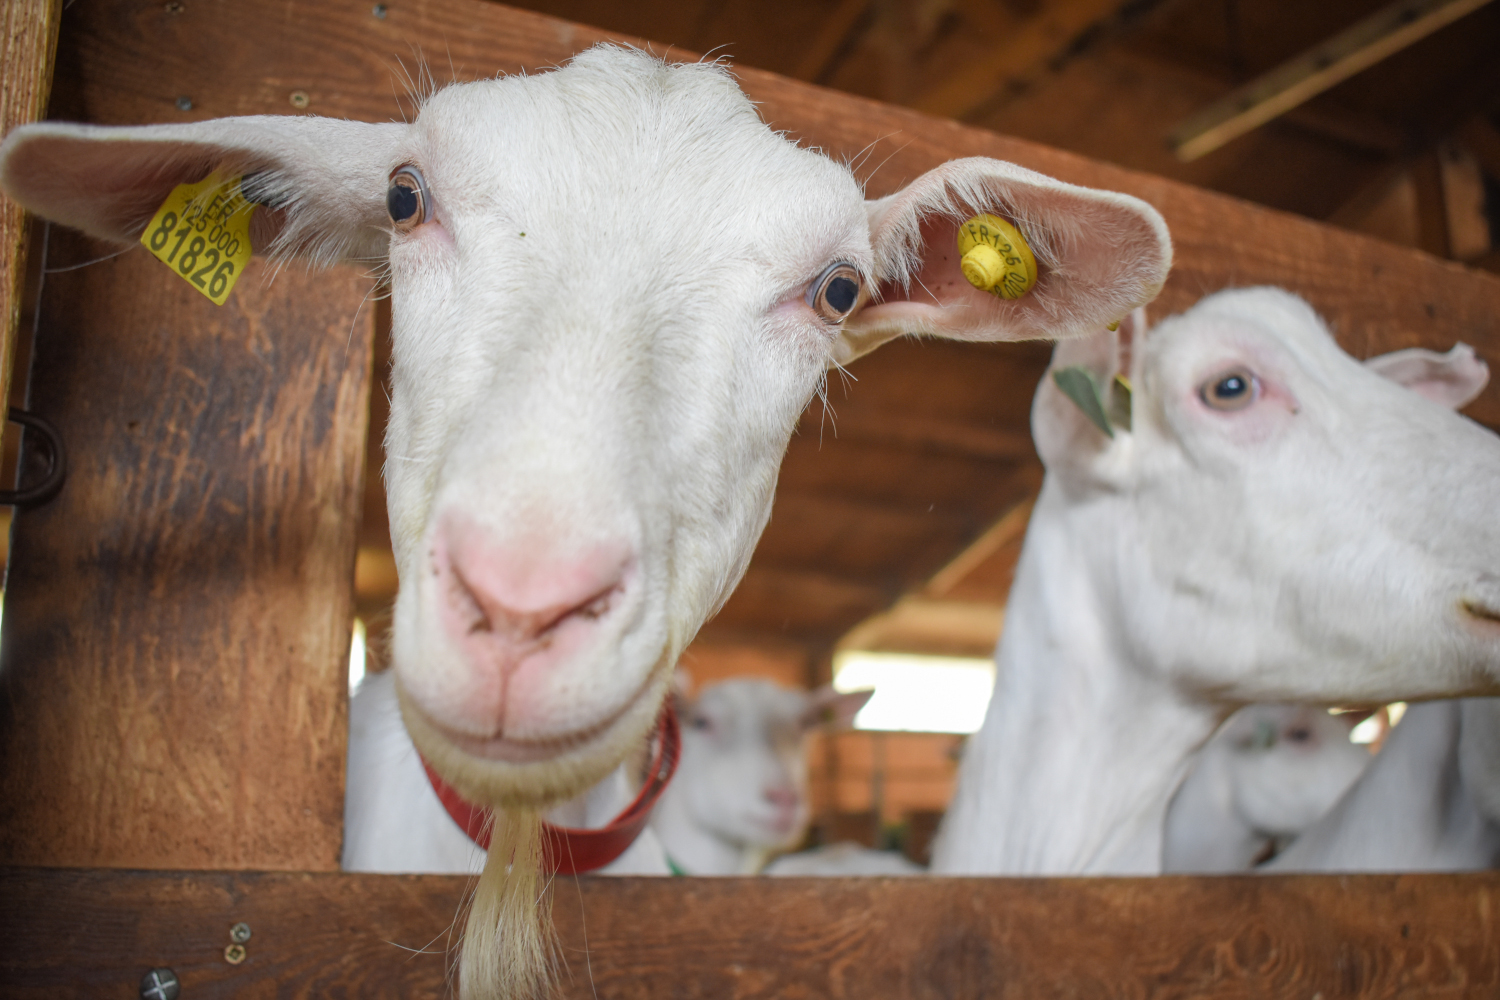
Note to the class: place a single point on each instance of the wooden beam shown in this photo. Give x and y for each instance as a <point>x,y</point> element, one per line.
<point>1017,54</point>
<point>90,934</point>
<point>28,46</point>
<point>173,677</point>
<point>1003,535</point>
<point>1482,138</point>
<point>925,626</point>
<point>1357,48</point>
<point>833,37</point>
<point>1432,205</point>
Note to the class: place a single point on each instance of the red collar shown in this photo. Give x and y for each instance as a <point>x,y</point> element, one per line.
<point>570,851</point>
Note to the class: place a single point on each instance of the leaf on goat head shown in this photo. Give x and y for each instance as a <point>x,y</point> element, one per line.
<point>1077,383</point>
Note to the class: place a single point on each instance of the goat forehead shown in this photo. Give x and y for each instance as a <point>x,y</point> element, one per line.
<point>683,172</point>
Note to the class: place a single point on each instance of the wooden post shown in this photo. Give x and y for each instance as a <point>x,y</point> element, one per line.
<point>177,620</point>
<point>28,43</point>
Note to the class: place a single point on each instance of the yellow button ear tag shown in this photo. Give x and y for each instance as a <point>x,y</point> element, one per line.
<point>995,256</point>
<point>202,231</point>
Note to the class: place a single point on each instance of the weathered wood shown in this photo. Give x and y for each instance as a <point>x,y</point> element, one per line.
<point>94,934</point>
<point>28,41</point>
<point>172,679</point>
<point>135,62</point>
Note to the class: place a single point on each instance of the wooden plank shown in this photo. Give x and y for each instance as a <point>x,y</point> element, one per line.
<point>83,934</point>
<point>1357,48</point>
<point>1016,53</point>
<point>28,42</point>
<point>133,61</point>
<point>172,679</point>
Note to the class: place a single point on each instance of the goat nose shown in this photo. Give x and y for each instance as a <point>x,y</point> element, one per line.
<point>782,798</point>
<point>520,594</point>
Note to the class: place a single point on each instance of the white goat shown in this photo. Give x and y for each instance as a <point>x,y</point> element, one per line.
<point>740,794</point>
<point>1266,776</point>
<point>1278,523</point>
<point>1429,801</point>
<point>614,289</point>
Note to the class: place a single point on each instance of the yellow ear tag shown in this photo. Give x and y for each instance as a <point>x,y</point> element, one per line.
<point>996,258</point>
<point>202,231</point>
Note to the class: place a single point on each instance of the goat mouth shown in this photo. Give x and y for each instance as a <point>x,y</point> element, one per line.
<point>1486,615</point>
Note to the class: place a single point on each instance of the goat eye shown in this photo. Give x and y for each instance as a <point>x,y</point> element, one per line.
<point>835,293</point>
<point>407,199</point>
<point>1233,390</point>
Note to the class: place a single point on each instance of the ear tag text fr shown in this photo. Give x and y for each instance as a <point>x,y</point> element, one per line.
<point>202,232</point>
<point>995,257</point>
<point>1077,383</point>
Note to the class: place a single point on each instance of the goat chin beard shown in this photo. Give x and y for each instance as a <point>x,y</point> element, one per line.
<point>507,951</point>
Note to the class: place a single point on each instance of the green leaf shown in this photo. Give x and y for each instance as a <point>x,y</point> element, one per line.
<point>1077,383</point>
<point>1119,403</point>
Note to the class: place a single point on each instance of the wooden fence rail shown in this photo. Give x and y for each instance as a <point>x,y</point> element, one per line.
<point>94,934</point>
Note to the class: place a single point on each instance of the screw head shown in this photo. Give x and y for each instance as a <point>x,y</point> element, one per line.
<point>160,984</point>
<point>235,954</point>
<point>239,933</point>
<point>184,104</point>
<point>174,8</point>
<point>379,11</point>
<point>300,99</point>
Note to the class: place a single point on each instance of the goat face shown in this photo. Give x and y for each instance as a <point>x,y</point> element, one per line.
<point>1281,521</point>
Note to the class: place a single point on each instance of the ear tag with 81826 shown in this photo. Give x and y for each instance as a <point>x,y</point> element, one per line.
<point>202,231</point>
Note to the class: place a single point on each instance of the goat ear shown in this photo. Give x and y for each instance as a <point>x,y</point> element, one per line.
<point>1069,429</point>
<point>1453,380</point>
<point>324,180</point>
<point>1098,256</point>
<point>834,709</point>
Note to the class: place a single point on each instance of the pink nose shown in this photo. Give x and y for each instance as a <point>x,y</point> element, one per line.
<point>782,798</point>
<point>515,598</point>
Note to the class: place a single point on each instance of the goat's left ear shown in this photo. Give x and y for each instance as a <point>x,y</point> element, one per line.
<point>1453,380</point>
<point>1098,254</point>
<point>834,709</point>
<point>321,182</point>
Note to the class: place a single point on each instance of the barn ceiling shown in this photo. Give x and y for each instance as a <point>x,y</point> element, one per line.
<point>926,445</point>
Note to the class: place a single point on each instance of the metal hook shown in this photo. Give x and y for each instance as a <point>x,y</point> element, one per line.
<point>57,462</point>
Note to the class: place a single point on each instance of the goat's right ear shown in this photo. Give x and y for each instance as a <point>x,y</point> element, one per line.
<point>1453,380</point>
<point>834,709</point>
<point>322,182</point>
<point>1098,255</point>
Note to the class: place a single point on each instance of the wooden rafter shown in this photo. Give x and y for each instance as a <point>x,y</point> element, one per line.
<point>1357,48</point>
<point>1017,52</point>
<point>832,38</point>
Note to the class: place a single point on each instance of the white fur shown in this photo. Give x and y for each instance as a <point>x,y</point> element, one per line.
<point>1333,542</point>
<point>843,859</point>
<point>740,794</point>
<point>394,821</point>
<point>1267,775</point>
<point>1429,802</point>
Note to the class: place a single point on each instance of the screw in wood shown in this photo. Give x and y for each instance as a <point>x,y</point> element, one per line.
<point>300,100</point>
<point>160,984</point>
<point>174,8</point>
<point>239,933</point>
<point>184,104</point>
<point>235,954</point>
<point>379,11</point>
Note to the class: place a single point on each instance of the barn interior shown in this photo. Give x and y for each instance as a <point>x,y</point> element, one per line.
<point>904,495</point>
<point>173,706</point>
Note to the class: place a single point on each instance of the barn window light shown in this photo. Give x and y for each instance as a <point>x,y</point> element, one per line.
<point>357,656</point>
<point>917,693</point>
